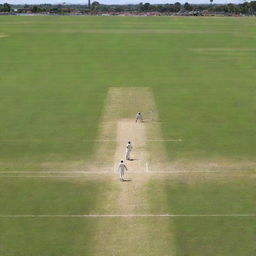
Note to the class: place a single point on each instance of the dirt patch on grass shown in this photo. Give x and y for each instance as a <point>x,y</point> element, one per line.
<point>131,198</point>
<point>121,106</point>
<point>131,236</point>
<point>2,36</point>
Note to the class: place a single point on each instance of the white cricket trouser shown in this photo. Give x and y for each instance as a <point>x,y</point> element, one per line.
<point>121,173</point>
<point>138,118</point>
<point>127,156</point>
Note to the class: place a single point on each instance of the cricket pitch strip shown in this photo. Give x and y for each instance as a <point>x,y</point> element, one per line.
<point>130,236</point>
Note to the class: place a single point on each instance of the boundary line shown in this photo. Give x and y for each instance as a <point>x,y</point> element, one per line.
<point>119,215</point>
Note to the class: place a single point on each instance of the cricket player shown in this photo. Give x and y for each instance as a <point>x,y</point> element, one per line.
<point>139,117</point>
<point>128,150</point>
<point>122,168</point>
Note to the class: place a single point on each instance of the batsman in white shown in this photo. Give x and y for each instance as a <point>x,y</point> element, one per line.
<point>139,117</point>
<point>128,150</point>
<point>122,168</point>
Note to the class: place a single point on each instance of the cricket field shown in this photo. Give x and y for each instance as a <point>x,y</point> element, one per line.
<point>69,91</point>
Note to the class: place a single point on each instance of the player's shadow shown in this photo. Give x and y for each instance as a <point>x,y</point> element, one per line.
<point>127,180</point>
<point>133,159</point>
<point>152,121</point>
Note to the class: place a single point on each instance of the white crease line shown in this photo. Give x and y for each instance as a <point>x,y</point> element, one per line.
<point>60,176</point>
<point>100,140</point>
<point>188,172</point>
<point>114,140</point>
<point>84,174</point>
<point>55,172</point>
<point>119,215</point>
<point>49,176</point>
<point>106,140</point>
<point>170,140</point>
<point>177,172</point>
<point>53,176</point>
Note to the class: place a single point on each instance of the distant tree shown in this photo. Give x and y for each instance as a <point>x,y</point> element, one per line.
<point>230,8</point>
<point>253,6</point>
<point>141,7</point>
<point>187,7</point>
<point>160,8</point>
<point>177,7</point>
<point>169,8</point>
<point>6,7</point>
<point>146,7</point>
<point>35,9</point>
<point>244,8</point>
<point>95,6</point>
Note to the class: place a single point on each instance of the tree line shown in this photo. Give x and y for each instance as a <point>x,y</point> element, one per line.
<point>246,8</point>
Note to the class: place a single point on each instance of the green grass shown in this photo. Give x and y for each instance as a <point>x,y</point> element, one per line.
<point>209,235</point>
<point>55,72</point>
<point>48,236</point>
<point>54,76</point>
<point>33,236</point>
<point>215,236</point>
<point>50,195</point>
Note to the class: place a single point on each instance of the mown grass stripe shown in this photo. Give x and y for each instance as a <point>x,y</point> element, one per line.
<point>120,215</point>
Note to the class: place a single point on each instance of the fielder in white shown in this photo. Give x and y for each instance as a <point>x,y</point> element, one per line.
<point>139,117</point>
<point>122,168</point>
<point>128,150</point>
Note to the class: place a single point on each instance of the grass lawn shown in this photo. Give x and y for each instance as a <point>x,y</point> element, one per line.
<point>231,236</point>
<point>33,236</point>
<point>50,195</point>
<point>209,235</point>
<point>54,76</point>
<point>47,236</point>
<point>55,73</point>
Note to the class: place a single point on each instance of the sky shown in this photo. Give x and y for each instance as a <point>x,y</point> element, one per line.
<point>117,1</point>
